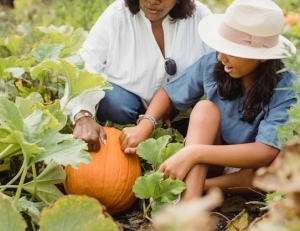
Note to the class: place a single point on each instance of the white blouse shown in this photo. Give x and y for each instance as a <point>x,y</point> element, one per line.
<point>123,48</point>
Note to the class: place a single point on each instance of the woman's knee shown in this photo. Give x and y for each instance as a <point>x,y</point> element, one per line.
<point>119,106</point>
<point>206,111</point>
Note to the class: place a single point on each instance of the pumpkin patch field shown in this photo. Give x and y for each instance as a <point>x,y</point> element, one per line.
<point>48,179</point>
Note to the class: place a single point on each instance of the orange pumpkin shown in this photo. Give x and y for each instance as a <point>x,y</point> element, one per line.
<point>109,177</point>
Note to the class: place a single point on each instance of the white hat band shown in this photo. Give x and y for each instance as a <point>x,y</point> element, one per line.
<point>244,38</point>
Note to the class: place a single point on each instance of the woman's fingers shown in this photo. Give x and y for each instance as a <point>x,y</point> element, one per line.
<point>173,174</point>
<point>103,135</point>
<point>130,151</point>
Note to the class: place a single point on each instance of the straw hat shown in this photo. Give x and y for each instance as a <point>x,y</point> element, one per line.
<point>248,29</point>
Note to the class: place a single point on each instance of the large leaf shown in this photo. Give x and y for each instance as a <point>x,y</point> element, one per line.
<point>170,150</point>
<point>150,149</point>
<point>10,218</point>
<point>33,209</point>
<point>28,149</point>
<point>9,115</point>
<point>56,119</point>
<point>13,43</point>
<point>154,186</point>
<point>47,51</point>
<point>6,63</point>
<point>76,213</point>
<point>78,80</point>
<point>63,149</point>
<point>46,189</point>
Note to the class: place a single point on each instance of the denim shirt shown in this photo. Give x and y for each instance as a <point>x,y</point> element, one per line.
<point>196,81</point>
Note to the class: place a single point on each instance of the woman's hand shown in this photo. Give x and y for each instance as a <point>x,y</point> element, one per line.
<point>89,130</point>
<point>131,136</point>
<point>178,165</point>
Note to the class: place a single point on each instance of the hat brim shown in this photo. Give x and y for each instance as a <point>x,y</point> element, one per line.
<point>208,31</point>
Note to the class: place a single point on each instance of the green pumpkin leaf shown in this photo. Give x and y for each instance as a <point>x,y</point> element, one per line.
<point>63,149</point>
<point>154,186</point>
<point>13,43</point>
<point>33,209</point>
<point>150,149</point>
<point>76,213</point>
<point>16,72</point>
<point>175,135</point>
<point>64,29</point>
<point>10,219</point>
<point>24,90</point>
<point>46,190</point>
<point>76,79</point>
<point>170,150</point>
<point>47,51</point>
<point>9,115</point>
<point>155,152</point>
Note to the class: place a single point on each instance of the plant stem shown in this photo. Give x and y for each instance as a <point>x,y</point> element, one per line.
<point>146,210</point>
<point>2,188</point>
<point>220,214</point>
<point>20,186</point>
<point>3,154</point>
<point>32,225</point>
<point>34,182</point>
<point>10,186</point>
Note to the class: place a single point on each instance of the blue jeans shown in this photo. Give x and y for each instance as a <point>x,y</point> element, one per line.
<point>119,106</point>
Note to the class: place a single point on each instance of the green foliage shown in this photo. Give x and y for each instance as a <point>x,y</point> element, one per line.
<point>10,219</point>
<point>33,81</point>
<point>79,13</point>
<point>152,184</point>
<point>155,152</point>
<point>65,214</point>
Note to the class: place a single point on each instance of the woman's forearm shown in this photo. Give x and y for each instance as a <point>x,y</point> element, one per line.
<point>250,155</point>
<point>159,105</point>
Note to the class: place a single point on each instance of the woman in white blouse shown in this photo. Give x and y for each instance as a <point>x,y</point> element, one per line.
<point>138,45</point>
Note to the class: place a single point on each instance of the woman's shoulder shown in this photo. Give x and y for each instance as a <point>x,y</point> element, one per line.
<point>210,58</point>
<point>288,78</point>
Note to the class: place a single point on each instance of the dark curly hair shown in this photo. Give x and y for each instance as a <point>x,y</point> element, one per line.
<point>257,96</point>
<point>182,10</point>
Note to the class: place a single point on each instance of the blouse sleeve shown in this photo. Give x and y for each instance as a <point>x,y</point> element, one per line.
<point>86,101</point>
<point>282,100</point>
<point>186,89</point>
<point>95,48</point>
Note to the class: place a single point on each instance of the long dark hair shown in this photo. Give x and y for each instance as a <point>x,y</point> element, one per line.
<point>260,93</point>
<point>182,9</point>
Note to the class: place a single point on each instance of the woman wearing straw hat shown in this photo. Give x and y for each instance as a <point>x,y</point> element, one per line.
<point>233,131</point>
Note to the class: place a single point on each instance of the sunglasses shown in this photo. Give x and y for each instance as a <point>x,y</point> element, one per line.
<point>170,66</point>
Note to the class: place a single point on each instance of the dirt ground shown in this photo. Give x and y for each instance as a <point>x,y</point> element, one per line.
<point>132,219</point>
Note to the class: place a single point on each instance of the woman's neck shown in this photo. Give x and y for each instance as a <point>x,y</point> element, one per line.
<point>158,33</point>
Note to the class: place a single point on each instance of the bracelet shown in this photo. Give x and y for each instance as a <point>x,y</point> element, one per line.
<point>86,114</point>
<point>147,117</point>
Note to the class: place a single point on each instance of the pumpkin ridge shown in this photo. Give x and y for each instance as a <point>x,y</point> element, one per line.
<point>131,196</point>
<point>118,201</point>
<point>114,198</point>
<point>109,177</point>
<point>124,185</point>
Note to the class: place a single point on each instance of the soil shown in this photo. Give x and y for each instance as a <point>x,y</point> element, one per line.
<point>132,219</point>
